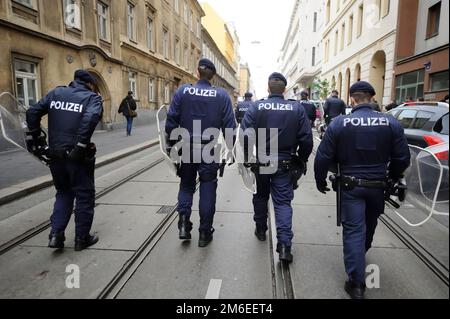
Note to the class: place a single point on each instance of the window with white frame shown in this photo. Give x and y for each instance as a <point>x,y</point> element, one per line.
<point>176,5</point>
<point>165,43</point>
<point>150,34</point>
<point>186,57</point>
<point>132,83</point>
<point>25,74</point>
<point>72,14</point>
<point>166,93</point>
<point>191,21</point>
<point>151,90</point>
<point>131,21</point>
<point>103,20</point>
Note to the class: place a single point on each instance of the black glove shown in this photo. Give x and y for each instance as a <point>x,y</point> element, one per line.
<point>78,154</point>
<point>322,186</point>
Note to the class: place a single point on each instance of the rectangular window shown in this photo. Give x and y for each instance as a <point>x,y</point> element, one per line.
<point>186,12</point>
<point>177,51</point>
<point>165,43</point>
<point>191,21</point>
<point>360,19</point>
<point>176,5</point>
<point>315,22</point>
<point>132,83</point>
<point>439,81</point>
<point>131,22</point>
<point>342,36</point>
<point>25,74</point>
<point>336,41</point>
<point>313,63</point>
<point>103,20</point>
<point>28,3</point>
<point>150,34</point>
<point>167,93</point>
<point>409,86</point>
<point>199,29</point>
<point>327,12</point>
<point>350,30</point>
<point>434,18</point>
<point>72,14</point>
<point>151,90</point>
<point>385,7</point>
<point>186,57</point>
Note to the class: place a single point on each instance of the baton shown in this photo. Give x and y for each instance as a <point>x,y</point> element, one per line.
<point>337,180</point>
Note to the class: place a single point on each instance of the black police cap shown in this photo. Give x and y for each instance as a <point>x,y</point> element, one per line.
<point>362,86</point>
<point>85,76</point>
<point>278,76</point>
<point>248,94</point>
<point>304,92</point>
<point>205,63</point>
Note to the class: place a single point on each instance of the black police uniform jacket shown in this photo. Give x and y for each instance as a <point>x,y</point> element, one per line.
<point>73,113</point>
<point>241,109</point>
<point>334,107</point>
<point>289,118</point>
<point>310,109</point>
<point>366,144</point>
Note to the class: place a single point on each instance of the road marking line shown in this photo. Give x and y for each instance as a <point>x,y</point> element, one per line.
<point>214,289</point>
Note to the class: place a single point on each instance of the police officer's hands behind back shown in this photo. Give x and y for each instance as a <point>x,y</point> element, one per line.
<point>322,186</point>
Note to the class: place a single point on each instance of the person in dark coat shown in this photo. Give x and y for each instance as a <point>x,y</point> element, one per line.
<point>334,107</point>
<point>128,103</point>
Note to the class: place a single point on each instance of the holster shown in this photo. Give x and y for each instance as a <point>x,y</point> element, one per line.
<point>296,168</point>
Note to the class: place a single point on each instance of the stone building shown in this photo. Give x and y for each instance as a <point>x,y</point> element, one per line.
<point>147,46</point>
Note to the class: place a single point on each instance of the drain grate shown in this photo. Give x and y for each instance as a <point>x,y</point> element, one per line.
<point>164,210</point>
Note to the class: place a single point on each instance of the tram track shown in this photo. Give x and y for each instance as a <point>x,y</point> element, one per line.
<point>7,246</point>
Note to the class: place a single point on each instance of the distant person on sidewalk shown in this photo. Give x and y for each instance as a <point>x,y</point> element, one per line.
<point>73,113</point>
<point>128,109</point>
<point>366,146</point>
<point>333,107</point>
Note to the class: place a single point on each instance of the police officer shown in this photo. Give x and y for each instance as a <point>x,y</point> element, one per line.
<point>333,107</point>
<point>73,113</point>
<point>309,107</point>
<point>243,106</point>
<point>213,108</point>
<point>294,138</point>
<point>366,145</point>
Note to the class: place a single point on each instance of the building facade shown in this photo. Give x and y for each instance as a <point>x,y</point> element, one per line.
<point>147,46</point>
<point>301,55</point>
<point>225,77</point>
<point>359,44</point>
<point>422,51</point>
<point>245,81</point>
<point>225,37</point>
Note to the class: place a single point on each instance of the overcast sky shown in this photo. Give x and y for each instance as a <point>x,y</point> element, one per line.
<point>258,21</point>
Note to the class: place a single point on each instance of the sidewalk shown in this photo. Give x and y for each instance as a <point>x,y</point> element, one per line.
<point>17,166</point>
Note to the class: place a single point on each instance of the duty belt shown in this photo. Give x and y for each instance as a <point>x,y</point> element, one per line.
<point>350,182</point>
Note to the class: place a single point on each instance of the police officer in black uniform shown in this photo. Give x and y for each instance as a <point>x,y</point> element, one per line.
<point>368,146</point>
<point>309,106</point>
<point>294,142</point>
<point>73,113</point>
<point>213,108</point>
<point>333,107</point>
<point>243,107</point>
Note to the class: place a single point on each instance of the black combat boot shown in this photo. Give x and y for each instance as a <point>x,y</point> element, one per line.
<point>260,233</point>
<point>284,252</point>
<point>356,290</point>
<point>205,238</point>
<point>56,240</point>
<point>85,242</point>
<point>185,227</point>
